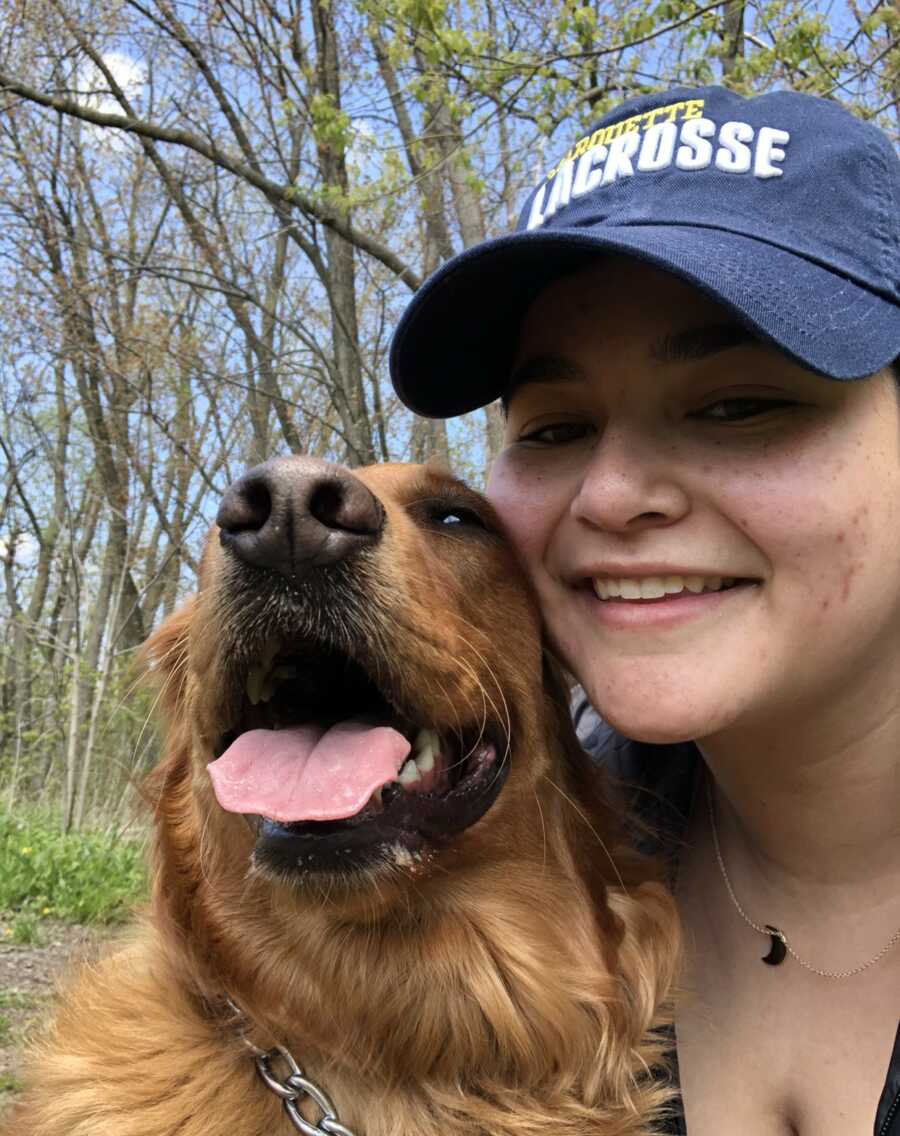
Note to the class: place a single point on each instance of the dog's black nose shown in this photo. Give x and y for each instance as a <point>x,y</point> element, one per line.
<point>298,513</point>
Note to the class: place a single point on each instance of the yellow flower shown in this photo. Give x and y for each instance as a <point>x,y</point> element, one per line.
<point>26,851</point>
<point>45,911</point>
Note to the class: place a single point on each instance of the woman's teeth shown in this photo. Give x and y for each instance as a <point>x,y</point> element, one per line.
<point>655,587</point>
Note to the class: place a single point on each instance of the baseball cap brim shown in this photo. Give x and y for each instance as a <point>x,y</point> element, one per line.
<point>453,347</point>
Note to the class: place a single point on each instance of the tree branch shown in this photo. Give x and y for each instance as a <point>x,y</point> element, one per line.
<point>286,194</point>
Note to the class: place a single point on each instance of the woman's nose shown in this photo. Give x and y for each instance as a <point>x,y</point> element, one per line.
<point>630,483</point>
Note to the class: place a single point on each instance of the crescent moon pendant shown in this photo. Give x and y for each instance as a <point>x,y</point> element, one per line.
<point>777,951</point>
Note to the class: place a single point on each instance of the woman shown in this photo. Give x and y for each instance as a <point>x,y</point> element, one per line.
<point>712,529</point>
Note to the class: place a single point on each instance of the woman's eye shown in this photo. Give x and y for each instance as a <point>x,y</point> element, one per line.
<point>738,409</point>
<point>557,433</point>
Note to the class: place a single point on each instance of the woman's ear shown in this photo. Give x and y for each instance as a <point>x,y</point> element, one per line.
<point>165,654</point>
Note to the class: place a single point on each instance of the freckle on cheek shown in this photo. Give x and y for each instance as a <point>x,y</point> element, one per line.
<point>840,538</point>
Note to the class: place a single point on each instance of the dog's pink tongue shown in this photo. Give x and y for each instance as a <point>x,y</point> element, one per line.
<point>307,773</point>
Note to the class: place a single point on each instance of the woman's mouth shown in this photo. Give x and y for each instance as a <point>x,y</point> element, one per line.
<point>642,588</point>
<point>664,600</point>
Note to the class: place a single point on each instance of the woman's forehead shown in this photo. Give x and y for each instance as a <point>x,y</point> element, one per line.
<point>615,312</point>
<point>616,297</point>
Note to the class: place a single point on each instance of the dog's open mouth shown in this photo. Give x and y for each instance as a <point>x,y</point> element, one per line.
<point>334,776</point>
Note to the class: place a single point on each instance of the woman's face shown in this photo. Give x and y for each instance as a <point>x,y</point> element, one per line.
<point>650,446</point>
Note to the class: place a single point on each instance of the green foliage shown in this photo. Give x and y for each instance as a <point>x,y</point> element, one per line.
<point>33,747</point>
<point>16,1000</point>
<point>331,125</point>
<point>84,877</point>
<point>25,931</point>
<point>9,1084</point>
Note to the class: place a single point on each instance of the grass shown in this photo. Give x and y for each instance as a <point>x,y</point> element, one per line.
<point>79,877</point>
<point>18,1012</point>
<point>16,1000</point>
<point>25,930</point>
<point>9,1084</point>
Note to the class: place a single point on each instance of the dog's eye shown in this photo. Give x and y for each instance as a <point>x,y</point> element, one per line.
<point>450,515</point>
<point>457,517</point>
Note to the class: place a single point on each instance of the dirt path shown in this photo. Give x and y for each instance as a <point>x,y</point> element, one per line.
<point>27,976</point>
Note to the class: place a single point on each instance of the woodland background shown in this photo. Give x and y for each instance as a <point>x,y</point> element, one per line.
<point>212,213</point>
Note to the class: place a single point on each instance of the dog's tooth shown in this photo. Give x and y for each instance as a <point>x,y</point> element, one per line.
<point>425,760</point>
<point>409,774</point>
<point>267,688</point>
<point>255,680</point>
<point>271,647</point>
<point>425,739</point>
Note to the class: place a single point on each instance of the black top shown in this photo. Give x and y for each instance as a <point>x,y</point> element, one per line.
<point>659,782</point>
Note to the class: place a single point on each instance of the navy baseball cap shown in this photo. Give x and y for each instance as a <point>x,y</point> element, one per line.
<point>784,208</point>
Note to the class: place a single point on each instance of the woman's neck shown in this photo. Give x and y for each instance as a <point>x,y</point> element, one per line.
<point>807,813</point>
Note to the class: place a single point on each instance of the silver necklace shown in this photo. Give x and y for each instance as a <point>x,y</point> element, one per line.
<point>779,945</point>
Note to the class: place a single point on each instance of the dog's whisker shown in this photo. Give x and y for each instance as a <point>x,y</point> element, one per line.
<point>593,830</point>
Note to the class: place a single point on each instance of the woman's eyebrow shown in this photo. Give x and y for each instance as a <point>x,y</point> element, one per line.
<point>698,342</point>
<point>540,369</point>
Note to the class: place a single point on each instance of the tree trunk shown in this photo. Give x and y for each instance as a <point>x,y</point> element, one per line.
<point>341,283</point>
<point>733,35</point>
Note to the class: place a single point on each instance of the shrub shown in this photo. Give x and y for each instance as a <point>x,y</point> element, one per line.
<point>82,877</point>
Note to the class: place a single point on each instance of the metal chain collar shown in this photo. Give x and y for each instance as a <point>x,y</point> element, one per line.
<point>293,1088</point>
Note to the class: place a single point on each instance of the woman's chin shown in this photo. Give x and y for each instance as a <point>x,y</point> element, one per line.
<point>659,717</point>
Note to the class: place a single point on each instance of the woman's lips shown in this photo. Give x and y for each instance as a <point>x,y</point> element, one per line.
<point>661,601</point>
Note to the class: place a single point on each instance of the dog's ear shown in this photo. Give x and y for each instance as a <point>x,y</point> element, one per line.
<point>164,655</point>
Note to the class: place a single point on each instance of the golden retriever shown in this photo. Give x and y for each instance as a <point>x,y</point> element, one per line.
<point>377,846</point>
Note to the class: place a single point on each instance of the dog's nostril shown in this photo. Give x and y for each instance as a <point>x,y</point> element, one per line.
<point>325,504</point>
<point>346,506</point>
<point>246,507</point>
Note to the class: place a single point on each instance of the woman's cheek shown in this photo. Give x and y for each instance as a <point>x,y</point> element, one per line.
<point>817,544</point>
<point>526,500</point>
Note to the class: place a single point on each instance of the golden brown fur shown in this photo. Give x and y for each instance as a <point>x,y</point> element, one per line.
<point>505,985</point>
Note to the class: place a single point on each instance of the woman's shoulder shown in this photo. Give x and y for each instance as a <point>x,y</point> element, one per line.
<point>657,780</point>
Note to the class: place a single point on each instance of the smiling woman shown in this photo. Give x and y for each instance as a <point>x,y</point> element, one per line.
<point>709,520</point>
<point>735,464</point>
